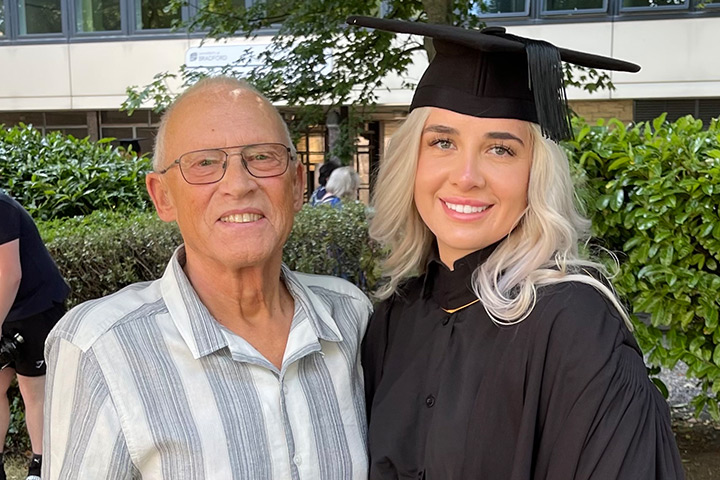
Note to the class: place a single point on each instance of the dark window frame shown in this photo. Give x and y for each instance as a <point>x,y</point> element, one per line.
<point>534,14</point>
<point>134,29</point>
<point>75,33</point>
<point>527,13</point>
<point>41,36</point>
<point>685,6</point>
<point>602,11</point>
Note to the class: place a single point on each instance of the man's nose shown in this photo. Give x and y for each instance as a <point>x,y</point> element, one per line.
<point>236,173</point>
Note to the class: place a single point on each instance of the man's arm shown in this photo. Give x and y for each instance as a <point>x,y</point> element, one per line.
<point>10,275</point>
<point>82,435</point>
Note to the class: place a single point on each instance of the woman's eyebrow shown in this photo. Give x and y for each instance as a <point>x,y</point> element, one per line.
<point>504,136</point>
<point>441,129</point>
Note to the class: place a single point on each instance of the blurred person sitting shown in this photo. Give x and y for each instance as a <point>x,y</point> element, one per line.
<point>325,170</point>
<point>341,186</point>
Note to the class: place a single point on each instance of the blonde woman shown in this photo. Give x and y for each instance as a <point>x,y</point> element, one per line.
<point>498,352</point>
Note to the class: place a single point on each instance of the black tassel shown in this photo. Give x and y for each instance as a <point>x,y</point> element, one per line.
<point>546,82</point>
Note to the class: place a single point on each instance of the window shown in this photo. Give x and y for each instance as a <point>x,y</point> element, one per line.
<point>151,15</point>
<point>504,7</point>
<point>704,109</point>
<point>569,6</point>
<point>2,19</point>
<point>97,15</point>
<point>647,4</point>
<point>40,16</point>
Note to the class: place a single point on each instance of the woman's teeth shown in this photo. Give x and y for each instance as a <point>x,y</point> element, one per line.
<point>465,208</point>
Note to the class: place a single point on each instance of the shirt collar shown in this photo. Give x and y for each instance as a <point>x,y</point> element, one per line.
<point>202,333</point>
<point>452,289</point>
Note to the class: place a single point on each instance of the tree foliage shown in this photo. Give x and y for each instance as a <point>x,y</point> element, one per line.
<point>304,34</point>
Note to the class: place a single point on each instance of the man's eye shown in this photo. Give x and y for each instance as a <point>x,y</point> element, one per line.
<point>206,162</point>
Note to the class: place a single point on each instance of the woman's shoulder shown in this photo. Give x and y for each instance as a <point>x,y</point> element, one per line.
<point>576,320</point>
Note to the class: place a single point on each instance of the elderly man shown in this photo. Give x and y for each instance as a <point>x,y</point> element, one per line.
<point>230,366</point>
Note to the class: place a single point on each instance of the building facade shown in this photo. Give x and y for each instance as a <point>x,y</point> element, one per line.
<point>66,64</point>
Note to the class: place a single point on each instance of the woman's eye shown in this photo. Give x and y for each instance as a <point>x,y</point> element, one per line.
<point>502,151</point>
<point>442,143</point>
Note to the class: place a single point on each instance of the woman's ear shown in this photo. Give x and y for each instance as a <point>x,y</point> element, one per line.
<point>161,196</point>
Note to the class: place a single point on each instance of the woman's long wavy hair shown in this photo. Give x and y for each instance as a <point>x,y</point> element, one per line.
<point>541,250</point>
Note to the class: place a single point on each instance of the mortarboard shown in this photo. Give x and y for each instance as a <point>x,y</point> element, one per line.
<point>491,73</point>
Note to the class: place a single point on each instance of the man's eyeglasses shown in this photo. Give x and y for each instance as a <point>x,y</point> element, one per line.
<point>262,160</point>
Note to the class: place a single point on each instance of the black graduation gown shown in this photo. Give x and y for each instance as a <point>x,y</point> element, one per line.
<point>562,395</point>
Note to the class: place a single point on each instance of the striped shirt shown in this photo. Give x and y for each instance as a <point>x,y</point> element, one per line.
<point>144,383</point>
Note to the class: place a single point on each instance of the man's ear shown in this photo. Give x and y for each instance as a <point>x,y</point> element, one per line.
<point>299,186</point>
<point>161,197</point>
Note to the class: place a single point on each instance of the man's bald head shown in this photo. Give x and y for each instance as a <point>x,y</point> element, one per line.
<point>224,90</point>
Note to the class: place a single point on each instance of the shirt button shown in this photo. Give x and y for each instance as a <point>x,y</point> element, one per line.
<point>429,401</point>
<point>446,320</point>
<point>297,459</point>
<point>285,389</point>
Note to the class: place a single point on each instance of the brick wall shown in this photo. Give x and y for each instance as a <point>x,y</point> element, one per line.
<point>592,110</point>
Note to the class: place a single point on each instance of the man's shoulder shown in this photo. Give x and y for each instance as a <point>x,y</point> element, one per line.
<point>84,324</point>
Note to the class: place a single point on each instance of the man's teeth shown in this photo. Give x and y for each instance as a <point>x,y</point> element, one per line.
<point>465,208</point>
<point>242,218</point>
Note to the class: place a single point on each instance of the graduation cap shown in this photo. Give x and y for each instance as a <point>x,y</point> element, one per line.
<point>491,73</point>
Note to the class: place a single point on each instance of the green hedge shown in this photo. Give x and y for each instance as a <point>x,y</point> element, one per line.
<point>55,176</point>
<point>102,252</point>
<point>653,192</point>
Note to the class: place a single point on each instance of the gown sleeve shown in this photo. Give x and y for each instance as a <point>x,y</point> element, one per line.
<point>600,416</point>
<point>373,349</point>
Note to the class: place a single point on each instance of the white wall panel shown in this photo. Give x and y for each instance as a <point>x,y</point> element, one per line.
<point>31,73</point>
<point>106,69</point>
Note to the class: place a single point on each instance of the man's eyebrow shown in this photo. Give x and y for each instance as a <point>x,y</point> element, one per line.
<point>504,136</point>
<point>441,129</point>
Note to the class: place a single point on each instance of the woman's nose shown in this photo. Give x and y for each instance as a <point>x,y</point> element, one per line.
<point>467,171</point>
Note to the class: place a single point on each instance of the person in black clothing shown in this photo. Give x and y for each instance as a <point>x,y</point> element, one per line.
<point>32,296</point>
<point>498,352</point>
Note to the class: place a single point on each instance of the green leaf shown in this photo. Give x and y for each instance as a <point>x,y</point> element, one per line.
<point>661,386</point>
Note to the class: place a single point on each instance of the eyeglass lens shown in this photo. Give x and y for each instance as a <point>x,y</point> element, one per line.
<point>208,166</point>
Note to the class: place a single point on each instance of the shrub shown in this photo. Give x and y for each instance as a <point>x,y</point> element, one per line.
<point>652,191</point>
<point>102,252</point>
<point>55,176</point>
<point>333,241</point>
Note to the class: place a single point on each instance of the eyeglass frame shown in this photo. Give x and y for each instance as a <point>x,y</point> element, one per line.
<point>290,157</point>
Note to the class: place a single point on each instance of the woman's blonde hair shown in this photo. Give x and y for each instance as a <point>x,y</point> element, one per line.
<point>541,250</point>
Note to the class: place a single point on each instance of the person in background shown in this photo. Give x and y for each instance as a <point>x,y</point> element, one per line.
<point>32,300</point>
<point>499,352</point>
<point>341,186</point>
<point>230,366</point>
<point>325,170</point>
